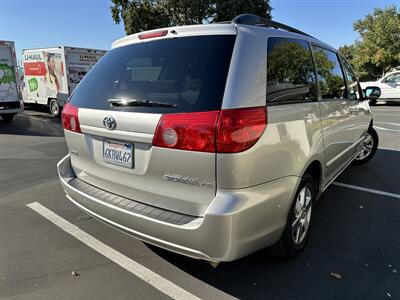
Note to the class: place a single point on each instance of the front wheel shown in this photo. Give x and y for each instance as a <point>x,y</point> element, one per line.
<point>8,117</point>
<point>368,148</point>
<point>54,108</point>
<point>298,225</point>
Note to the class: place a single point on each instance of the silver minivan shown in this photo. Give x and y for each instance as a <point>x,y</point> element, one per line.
<point>214,141</point>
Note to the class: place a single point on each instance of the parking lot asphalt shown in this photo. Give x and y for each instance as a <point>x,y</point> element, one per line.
<point>356,234</point>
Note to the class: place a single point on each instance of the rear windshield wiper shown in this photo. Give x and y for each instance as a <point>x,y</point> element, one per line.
<point>134,102</point>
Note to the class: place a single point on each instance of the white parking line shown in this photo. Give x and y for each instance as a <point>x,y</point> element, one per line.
<point>359,188</point>
<point>394,124</point>
<point>160,283</point>
<point>386,129</point>
<point>389,149</point>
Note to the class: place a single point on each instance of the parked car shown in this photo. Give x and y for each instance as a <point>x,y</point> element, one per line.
<point>214,141</point>
<point>51,74</point>
<point>10,102</point>
<point>389,86</point>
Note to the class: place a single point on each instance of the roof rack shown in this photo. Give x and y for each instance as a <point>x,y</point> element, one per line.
<point>254,20</point>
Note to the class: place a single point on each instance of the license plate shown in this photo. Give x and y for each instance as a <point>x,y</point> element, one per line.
<point>116,153</point>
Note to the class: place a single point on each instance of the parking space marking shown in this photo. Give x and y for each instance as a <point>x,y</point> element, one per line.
<point>386,129</point>
<point>160,283</point>
<point>359,188</point>
<point>388,149</point>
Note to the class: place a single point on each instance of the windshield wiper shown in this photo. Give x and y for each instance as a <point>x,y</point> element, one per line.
<point>134,102</point>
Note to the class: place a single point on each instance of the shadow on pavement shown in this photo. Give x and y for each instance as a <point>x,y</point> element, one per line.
<point>32,123</point>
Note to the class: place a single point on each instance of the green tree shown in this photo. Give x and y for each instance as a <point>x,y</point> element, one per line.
<point>379,44</point>
<point>140,15</point>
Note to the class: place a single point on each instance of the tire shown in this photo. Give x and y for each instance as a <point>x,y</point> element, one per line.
<point>369,147</point>
<point>55,109</point>
<point>8,117</point>
<point>291,242</point>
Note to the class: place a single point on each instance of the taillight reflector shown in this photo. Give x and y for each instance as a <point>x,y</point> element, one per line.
<point>154,34</point>
<point>69,117</point>
<point>225,131</point>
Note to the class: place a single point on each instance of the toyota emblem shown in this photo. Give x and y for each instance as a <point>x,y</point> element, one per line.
<point>109,123</point>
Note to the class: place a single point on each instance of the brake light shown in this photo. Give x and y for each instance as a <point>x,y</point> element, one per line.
<point>187,131</point>
<point>69,117</point>
<point>239,129</point>
<point>154,34</point>
<point>225,131</point>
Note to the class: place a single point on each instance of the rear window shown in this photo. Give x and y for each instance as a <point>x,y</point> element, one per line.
<point>189,73</point>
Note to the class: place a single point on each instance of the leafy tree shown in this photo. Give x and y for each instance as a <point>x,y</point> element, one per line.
<point>378,48</point>
<point>140,15</point>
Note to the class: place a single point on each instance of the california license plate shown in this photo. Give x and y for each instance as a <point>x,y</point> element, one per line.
<point>117,153</point>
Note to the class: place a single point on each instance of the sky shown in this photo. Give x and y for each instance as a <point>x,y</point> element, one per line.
<point>88,23</point>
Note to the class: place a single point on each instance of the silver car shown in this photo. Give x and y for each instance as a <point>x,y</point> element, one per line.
<point>214,141</point>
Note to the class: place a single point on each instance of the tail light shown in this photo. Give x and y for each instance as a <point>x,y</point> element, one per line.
<point>187,131</point>
<point>240,129</point>
<point>153,34</point>
<point>225,131</point>
<point>69,117</point>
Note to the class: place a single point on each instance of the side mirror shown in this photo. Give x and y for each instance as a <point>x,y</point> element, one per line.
<point>372,93</point>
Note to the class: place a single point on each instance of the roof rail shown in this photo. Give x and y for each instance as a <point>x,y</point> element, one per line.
<point>254,20</point>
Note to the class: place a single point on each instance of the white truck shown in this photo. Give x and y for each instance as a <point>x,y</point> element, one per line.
<point>10,103</point>
<point>51,74</point>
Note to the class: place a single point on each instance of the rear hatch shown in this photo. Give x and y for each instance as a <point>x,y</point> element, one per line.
<point>120,103</point>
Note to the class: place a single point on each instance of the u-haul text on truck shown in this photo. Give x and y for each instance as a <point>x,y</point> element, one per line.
<point>51,74</point>
<point>9,95</point>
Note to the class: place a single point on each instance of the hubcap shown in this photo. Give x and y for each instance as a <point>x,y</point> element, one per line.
<point>54,108</point>
<point>366,147</point>
<point>302,215</point>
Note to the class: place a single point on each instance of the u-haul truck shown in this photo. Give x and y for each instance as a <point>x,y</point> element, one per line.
<point>10,103</point>
<point>51,74</point>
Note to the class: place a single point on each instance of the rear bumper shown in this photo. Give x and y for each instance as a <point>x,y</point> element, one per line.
<point>236,223</point>
<point>11,107</point>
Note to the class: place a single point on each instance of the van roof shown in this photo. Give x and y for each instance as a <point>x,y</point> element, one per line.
<point>249,21</point>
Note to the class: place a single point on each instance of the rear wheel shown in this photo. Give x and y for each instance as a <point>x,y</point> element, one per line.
<point>299,221</point>
<point>368,148</point>
<point>8,117</point>
<point>54,108</point>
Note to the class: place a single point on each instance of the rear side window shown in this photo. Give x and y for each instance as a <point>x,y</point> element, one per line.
<point>352,82</point>
<point>290,71</point>
<point>188,74</point>
<point>330,75</point>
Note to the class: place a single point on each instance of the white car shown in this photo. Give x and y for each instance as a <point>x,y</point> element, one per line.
<point>389,85</point>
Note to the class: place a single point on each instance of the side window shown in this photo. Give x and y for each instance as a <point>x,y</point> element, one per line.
<point>352,83</point>
<point>290,71</point>
<point>330,75</point>
<point>395,78</point>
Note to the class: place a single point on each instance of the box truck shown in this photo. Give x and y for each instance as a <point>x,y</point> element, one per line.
<point>51,74</point>
<point>10,103</point>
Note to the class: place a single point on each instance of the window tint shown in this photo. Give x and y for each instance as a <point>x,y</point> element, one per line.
<point>330,75</point>
<point>352,83</point>
<point>189,73</point>
<point>290,71</point>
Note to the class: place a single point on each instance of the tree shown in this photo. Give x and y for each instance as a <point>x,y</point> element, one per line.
<point>379,43</point>
<point>140,15</point>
